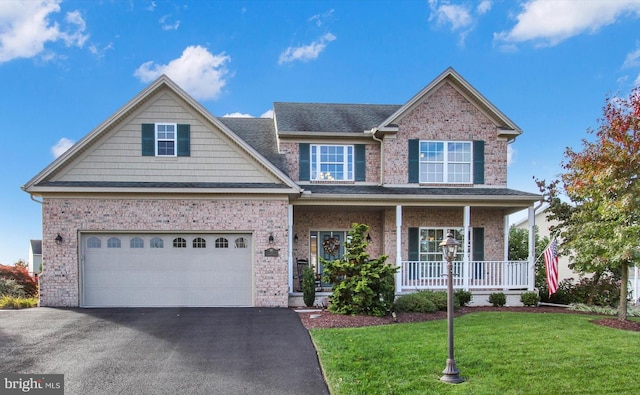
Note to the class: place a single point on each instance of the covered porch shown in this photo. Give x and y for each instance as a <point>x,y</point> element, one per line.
<point>408,234</point>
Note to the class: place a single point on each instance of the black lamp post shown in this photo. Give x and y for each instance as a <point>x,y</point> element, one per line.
<point>451,374</point>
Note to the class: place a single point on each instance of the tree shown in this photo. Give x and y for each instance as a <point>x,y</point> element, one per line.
<point>519,251</point>
<point>360,285</point>
<point>601,222</point>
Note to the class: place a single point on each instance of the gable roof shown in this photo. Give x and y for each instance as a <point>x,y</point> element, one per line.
<point>327,118</point>
<point>163,82</point>
<point>506,127</point>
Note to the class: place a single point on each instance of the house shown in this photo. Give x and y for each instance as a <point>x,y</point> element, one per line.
<point>164,204</point>
<point>34,263</point>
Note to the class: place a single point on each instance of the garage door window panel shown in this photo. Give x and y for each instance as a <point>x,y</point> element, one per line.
<point>156,242</point>
<point>94,242</point>
<point>136,242</point>
<point>199,242</point>
<point>179,242</point>
<point>241,242</point>
<point>113,242</point>
<point>221,242</point>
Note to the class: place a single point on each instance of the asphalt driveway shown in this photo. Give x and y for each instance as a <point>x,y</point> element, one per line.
<point>163,350</point>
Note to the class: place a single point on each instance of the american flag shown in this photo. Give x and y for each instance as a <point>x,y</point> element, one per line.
<point>551,265</point>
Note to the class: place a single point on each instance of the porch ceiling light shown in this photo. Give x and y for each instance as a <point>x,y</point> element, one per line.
<point>450,374</point>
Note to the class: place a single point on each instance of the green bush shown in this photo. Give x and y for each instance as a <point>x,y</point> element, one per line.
<point>530,299</point>
<point>9,287</point>
<point>418,302</point>
<point>10,302</point>
<point>360,285</point>
<point>462,297</point>
<point>498,299</point>
<point>308,286</point>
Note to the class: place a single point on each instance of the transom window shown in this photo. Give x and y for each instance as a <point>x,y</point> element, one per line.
<point>199,242</point>
<point>179,242</point>
<point>165,139</point>
<point>445,162</point>
<point>332,162</point>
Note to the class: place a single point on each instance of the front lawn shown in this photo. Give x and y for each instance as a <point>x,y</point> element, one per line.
<point>496,353</point>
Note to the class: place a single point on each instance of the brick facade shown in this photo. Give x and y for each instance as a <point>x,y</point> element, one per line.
<point>70,217</point>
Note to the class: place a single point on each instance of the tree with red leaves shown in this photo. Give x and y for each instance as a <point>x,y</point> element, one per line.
<point>600,227</point>
<point>22,277</point>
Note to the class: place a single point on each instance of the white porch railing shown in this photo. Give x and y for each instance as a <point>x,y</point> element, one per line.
<point>475,275</point>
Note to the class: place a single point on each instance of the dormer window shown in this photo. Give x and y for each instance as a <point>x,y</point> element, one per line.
<point>165,139</point>
<point>332,162</point>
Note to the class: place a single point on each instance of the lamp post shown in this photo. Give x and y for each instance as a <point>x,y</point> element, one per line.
<point>451,374</point>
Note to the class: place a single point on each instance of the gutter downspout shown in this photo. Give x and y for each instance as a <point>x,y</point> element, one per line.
<point>373,136</point>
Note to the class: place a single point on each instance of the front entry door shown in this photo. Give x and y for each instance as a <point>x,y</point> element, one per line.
<point>330,248</point>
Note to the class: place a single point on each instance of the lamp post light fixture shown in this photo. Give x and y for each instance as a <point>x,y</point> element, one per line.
<point>451,374</point>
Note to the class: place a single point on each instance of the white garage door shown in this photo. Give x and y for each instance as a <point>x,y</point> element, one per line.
<point>127,270</point>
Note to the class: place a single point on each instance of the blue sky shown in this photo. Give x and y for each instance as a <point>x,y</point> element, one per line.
<point>66,66</point>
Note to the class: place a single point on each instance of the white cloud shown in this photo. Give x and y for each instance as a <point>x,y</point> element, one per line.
<point>550,22</point>
<point>61,147</point>
<point>632,59</point>
<point>457,16</point>
<point>267,114</point>
<point>198,71</point>
<point>25,28</point>
<point>237,115</point>
<point>484,7</point>
<point>165,25</point>
<point>511,153</point>
<point>318,19</point>
<point>308,52</point>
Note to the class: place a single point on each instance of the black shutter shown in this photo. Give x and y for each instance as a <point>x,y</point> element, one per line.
<point>478,162</point>
<point>414,161</point>
<point>184,140</point>
<point>304,163</point>
<point>477,253</point>
<point>148,139</point>
<point>361,162</point>
<point>413,243</point>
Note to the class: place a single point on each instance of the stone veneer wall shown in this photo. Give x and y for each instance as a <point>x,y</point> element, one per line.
<point>445,115</point>
<point>59,283</point>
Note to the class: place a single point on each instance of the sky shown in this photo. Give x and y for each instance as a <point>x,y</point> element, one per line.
<point>66,66</point>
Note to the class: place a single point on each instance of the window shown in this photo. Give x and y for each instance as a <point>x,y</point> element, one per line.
<point>430,250</point>
<point>165,139</point>
<point>179,242</point>
<point>113,242</point>
<point>221,242</point>
<point>445,162</point>
<point>136,242</point>
<point>93,242</point>
<point>241,242</point>
<point>199,242</point>
<point>156,242</point>
<point>332,162</point>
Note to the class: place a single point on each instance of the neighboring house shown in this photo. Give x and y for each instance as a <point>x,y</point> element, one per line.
<point>544,230</point>
<point>164,204</point>
<point>34,264</point>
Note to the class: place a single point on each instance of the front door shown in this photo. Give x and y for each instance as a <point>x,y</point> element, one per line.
<point>330,248</point>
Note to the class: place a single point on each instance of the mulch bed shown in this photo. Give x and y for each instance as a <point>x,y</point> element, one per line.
<point>325,319</point>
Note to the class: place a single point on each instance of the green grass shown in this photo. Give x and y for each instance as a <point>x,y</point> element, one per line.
<point>496,353</point>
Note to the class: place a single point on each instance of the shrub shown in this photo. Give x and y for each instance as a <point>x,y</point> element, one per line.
<point>308,286</point>
<point>10,302</point>
<point>360,285</point>
<point>498,299</point>
<point>9,287</point>
<point>530,299</point>
<point>463,297</point>
<point>22,277</point>
<point>418,302</point>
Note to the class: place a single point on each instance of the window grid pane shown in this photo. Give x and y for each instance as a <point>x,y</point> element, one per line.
<point>332,162</point>
<point>445,162</point>
<point>136,242</point>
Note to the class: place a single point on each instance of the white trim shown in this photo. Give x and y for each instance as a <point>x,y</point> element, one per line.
<point>399,247</point>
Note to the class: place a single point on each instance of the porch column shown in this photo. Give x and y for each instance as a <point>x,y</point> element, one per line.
<point>532,248</point>
<point>466,266</point>
<point>290,244</point>
<point>399,248</point>
<point>636,285</point>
